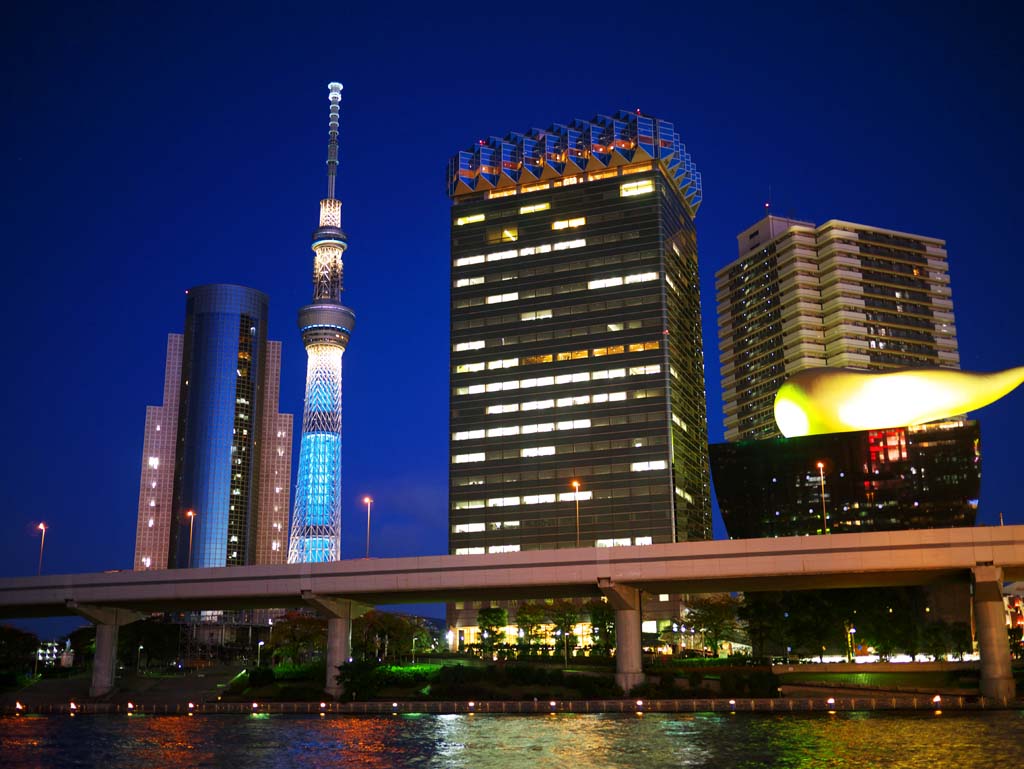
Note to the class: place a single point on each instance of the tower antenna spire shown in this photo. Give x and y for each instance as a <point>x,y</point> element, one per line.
<point>332,144</point>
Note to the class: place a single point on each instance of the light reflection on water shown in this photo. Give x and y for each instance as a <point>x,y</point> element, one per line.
<point>741,741</point>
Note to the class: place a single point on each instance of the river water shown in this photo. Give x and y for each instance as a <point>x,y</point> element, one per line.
<point>988,740</point>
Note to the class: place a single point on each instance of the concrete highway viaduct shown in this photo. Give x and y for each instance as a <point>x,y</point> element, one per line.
<point>987,556</point>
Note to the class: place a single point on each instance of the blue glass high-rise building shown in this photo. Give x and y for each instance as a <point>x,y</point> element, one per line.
<point>216,459</point>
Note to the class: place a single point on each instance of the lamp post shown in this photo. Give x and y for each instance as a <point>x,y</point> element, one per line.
<point>259,652</point>
<point>42,541</point>
<point>414,640</point>
<point>138,659</point>
<point>367,501</point>
<point>824,514</point>
<point>191,522</point>
<point>576,492</point>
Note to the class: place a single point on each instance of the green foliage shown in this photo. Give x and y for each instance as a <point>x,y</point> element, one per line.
<point>564,616</point>
<point>715,617</point>
<point>490,620</point>
<point>529,618</point>
<point>17,650</point>
<point>159,640</point>
<point>382,636</point>
<point>261,676</point>
<point>602,622</point>
<point>297,638</point>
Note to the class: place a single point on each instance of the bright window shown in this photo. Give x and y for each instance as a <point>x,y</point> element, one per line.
<point>469,551</point>
<point>569,496</point>
<point>628,189</point>
<point>534,208</point>
<point>538,499</point>
<point>467,435</point>
<point>468,528</point>
<point>463,282</point>
<point>537,451</point>
<point>503,549</point>
<point>154,462</point>
<point>478,344</point>
<point>498,298</point>
<point>476,457</point>
<point>568,224</point>
<point>467,260</point>
<point>467,368</point>
<point>472,219</point>
<point>639,467</point>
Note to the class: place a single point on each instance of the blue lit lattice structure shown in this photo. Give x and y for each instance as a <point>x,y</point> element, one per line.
<point>326,325</point>
<point>581,148</point>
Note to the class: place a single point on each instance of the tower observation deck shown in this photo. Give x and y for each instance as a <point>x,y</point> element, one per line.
<point>326,325</point>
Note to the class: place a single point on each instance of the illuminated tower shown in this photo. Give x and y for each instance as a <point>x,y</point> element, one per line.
<point>326,325</point>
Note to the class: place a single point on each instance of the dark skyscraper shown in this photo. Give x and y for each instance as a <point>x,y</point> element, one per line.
<point>217,455</point>
<point>576,340</point>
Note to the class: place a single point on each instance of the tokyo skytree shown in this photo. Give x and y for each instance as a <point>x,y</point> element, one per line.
<point>326,325</point>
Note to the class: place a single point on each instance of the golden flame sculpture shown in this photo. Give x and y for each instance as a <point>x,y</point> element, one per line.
<point>827,400</point>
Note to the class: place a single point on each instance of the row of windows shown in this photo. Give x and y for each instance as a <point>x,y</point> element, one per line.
<point>563,288</point>
<point>612,542</point>
<point>529,360</point>
<point>542,427</point>
<point>544,381</point>
<point>547,451</point>
<point>608,305</point>
<point>498,256</point>
<point>556,474</point>
<point>575,400</point>
<point>589,264</point>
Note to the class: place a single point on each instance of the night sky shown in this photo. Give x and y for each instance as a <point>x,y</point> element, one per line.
<point>148,148</point>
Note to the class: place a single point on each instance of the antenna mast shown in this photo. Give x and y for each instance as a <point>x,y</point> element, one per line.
<point>332,144</point>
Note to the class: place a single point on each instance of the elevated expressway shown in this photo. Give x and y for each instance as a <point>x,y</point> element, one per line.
<point>986,555</point>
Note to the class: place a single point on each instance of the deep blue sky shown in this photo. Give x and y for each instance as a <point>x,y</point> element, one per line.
<point>149,148</point>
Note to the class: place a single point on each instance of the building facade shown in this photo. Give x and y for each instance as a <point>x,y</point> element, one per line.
<point>326,325</point>
<point>577,391</point>
<point>216,462</point>
<point>841,295</point>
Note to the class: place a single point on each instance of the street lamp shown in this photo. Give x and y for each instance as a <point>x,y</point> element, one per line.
<point>367,501</point>
<point>191,522</point>
<point>414,640</point>
<point>824,514</point>
<point>138,659</point>
<point>259,652</point>
<point>42,541</point>
<point>576,492</point>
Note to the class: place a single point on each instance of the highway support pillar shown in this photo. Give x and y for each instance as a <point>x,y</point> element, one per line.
<point>107,622</point>
<point>625,600</point>
<point>993,642</point>
<point>339,635</point>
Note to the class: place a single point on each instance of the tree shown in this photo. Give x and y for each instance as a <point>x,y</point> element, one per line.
<point>714,616</point>
<point>490,620</point>
<point>602,625</point>
<point>564,615</point>
<point>298,637</point>
<point>765,619</point>
<point>529,618</point>
<point>17,649</point>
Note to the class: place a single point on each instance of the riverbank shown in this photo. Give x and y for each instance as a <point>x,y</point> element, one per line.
<point>779,705</point>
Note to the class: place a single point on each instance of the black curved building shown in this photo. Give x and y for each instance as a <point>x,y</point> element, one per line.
<point>926,476</point>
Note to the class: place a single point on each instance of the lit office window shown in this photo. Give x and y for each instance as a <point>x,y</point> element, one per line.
<point>604,283</point>
<point>641,277</point>
<point>468,260</point>
<point>538,499</point>
<point>498,298</point>
<point>475,457</point>
<point>503,549</point>
<point>477,344</point>
<point>568,224</point>
<point>537,451</point>
<point>472,219</point>
<point>499,256</point>
<point>463,282</point>
<point>639,467</point>
<point>628,189</point>
<point>154,462</point>
<point>467,435</point>
<point>655,369</point>
<point>505,363</point>
<point>643,541</point>
<point>469,504</point>
<point>469,551</point>
<point>502,502</point>
<point>151,522</point>
<point>467,368</point>
<point>569,496</point>
<point>543,427</point>
<point>468,528</point>
<point>535,315</point>
<point>574,424</point>
<point>500,432</point>
<point>503,408</point>
<point>573,400</point>
<point>534,208</point>
<point>534,405</point>
<point>507,234</point>
<point>570,244</point>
